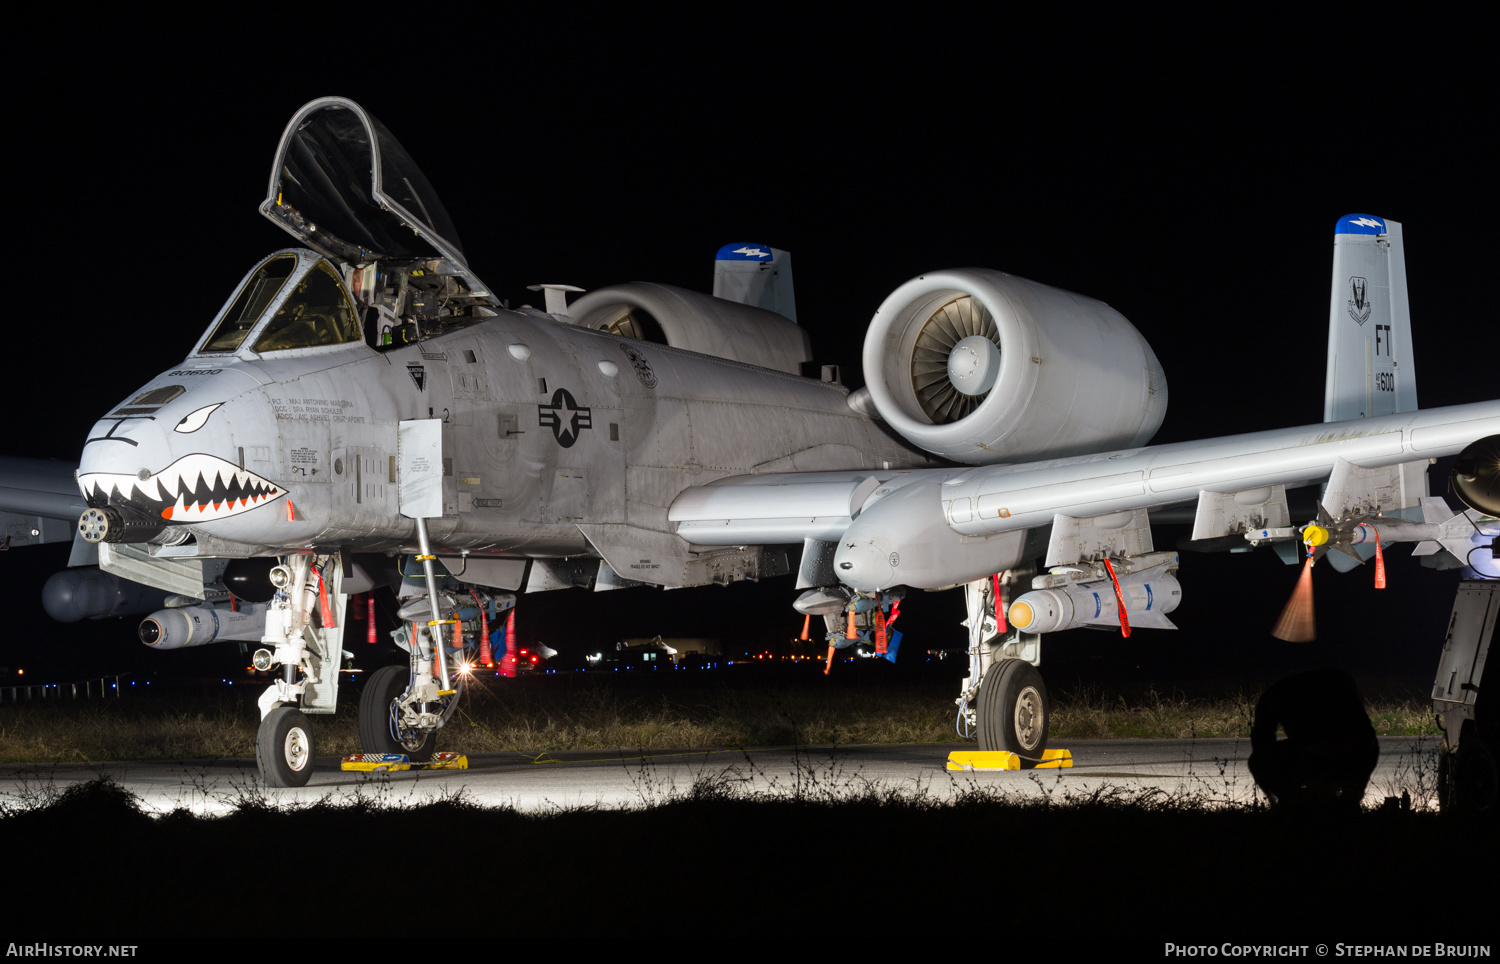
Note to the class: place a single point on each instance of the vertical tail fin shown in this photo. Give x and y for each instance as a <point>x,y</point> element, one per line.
<point>755,274</point>
<point>1370,367</point>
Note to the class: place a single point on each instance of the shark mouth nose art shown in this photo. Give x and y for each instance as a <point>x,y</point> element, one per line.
<point>195,488</point>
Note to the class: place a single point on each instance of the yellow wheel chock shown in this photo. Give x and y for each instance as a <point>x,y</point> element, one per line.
<point>388,762</point>
<point>982,760</point>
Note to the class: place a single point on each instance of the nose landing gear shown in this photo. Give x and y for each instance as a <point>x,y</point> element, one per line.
<point>304,624</point>
<point>284,748</point>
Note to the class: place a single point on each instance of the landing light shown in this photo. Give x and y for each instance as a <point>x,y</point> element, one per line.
<point>262,659</point>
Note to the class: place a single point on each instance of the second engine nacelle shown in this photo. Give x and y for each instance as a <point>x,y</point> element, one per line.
<point>695,322</point>
<point>981,367</point>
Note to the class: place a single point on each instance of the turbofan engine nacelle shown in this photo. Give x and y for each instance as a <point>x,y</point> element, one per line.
<point>981,367</point>
<point>696,322</point>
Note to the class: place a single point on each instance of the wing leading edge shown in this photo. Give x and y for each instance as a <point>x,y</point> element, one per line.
<point>941,512</point>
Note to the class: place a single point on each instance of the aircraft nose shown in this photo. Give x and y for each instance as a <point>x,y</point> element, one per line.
<point>864,565</point>
<point>170,468</point>
<point>125,445</point>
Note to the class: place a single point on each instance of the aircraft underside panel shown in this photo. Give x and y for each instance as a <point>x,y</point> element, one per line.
<point>662,559</point>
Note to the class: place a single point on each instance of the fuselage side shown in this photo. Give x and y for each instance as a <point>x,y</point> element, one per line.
<point>545,425</point>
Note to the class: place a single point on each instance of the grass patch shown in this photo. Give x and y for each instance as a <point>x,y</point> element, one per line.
<point>1090,713</point>
<point>596,712</point>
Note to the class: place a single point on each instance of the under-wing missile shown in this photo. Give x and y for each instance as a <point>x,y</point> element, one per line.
<point>1350,541</point>
<point>201,625</point>
<point>1078,599</point>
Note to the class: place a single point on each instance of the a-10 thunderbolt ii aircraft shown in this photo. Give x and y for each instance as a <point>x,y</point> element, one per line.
<point>365,396</point>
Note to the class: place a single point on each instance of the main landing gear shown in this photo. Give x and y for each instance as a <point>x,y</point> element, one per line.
<point>1013,710</point>
<point>381,728</point>
<point>1004,701</point>
<point>403,707</point>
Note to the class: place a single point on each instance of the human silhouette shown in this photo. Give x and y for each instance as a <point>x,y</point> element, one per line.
<point>1329,751</point>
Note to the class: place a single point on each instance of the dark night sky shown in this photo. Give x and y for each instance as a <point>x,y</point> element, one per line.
<point>1194,191</point>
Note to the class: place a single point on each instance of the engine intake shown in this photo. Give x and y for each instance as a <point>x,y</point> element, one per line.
<point>981,367</point>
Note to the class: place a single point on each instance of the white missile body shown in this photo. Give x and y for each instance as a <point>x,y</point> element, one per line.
<point>1149,595</point>
<point>201,625</point>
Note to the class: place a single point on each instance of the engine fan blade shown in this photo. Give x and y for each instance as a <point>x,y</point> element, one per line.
<point>1476,475</point>
<point>960,318</point>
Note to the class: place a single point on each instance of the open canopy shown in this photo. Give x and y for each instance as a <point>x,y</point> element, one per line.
<point>345,187</point>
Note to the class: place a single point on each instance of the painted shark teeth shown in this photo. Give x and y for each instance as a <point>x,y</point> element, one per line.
<point>196,488</point>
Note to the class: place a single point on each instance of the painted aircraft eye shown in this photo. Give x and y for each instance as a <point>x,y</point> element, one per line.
<point>193,421</point>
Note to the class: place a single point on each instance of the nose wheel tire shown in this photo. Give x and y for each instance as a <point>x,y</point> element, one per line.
<point>1014,710</point>
<point>383,688</point>
<point>284,748</point>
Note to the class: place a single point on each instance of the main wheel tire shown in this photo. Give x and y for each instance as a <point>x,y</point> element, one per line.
<point>1014,711</point>
<point>382,689</point>
<point>284,748</point>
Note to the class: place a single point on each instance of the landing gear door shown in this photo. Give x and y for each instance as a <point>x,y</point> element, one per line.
<point>345,187</point>
<point>419,467</point>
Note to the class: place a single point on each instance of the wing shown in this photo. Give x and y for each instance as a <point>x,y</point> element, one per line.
<point>39,501</point>
<point>930,528</point>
